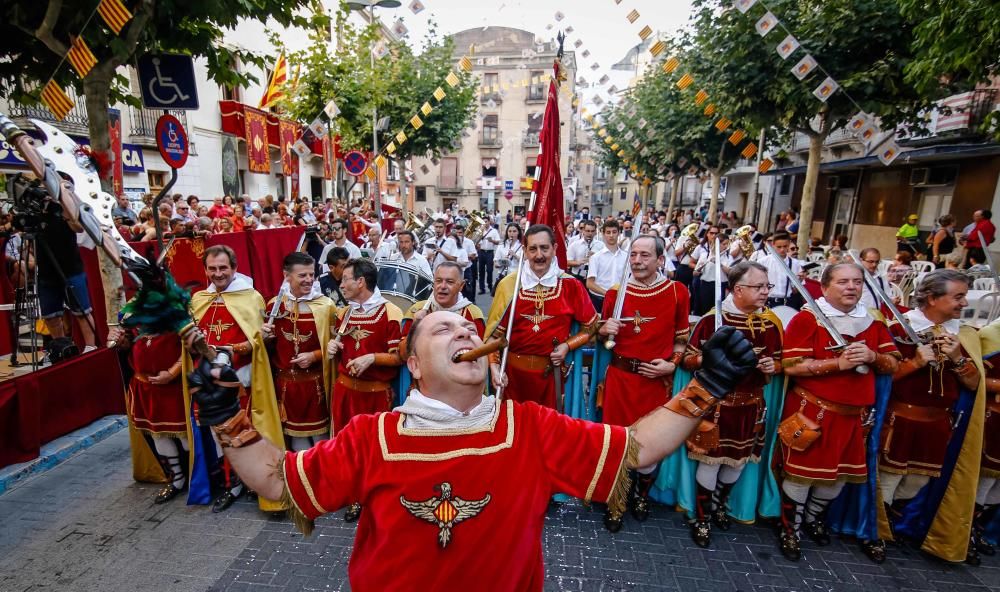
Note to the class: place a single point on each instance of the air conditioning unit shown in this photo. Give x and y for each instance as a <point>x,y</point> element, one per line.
<point>919,176</point>
<point>833,183</point>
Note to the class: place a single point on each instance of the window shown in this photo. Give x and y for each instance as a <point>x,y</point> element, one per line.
<point>392,174</point>
<point>491,131</point>
<point>157,179</point>
<point>421,194</point>
<point>529,166</point>
<point>232,93</point>
<point>489,167</point>
<point>280,193</point>
<point>491,83</point>
<point>536,92</point>
<point>786,185</point>
<point>623,193</point>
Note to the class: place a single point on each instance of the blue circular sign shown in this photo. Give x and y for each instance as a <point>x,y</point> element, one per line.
<point>355,163</point>
<point>172,141</point>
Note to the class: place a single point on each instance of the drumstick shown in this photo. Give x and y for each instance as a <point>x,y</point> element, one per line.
<point>478,352</point>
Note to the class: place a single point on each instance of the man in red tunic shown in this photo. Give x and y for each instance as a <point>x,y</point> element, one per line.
<point>736,436</point>
<point>367,351</point>
<point>156,401</point>
<point>298,335</point>
<point>925,387</point>
<point>457,483</point>
<point>447,295</point>
<point>828,398</point>
<point>548,303</point>
<point>646,353</point>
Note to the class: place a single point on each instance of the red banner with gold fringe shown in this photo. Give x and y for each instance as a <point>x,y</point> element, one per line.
<point>286,136</point>
<point>255,123</point>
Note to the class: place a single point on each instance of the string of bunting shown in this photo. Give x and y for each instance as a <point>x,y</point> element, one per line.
<point>863,126</point>
<point>115,16</point>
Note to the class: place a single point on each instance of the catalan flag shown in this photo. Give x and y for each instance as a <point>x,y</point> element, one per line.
<point>636,205</point>
<point>56,100</point>
<point>80,56</point>
<point>737,137</point>
<point>279,76</point>
<point>750,151</point>
<point>670,65</point>
<point>451,79</point>
<point>765,165</point>
<point>401,138</point>
<point>615,146</point>
<point>710,110</point>
<point>439,94</point>
<point>380,161</point>
<point>465,63</point>
<point>370,173</point>
<point>645,33</point>
<point>723,124</point>
<point>426,108</point>
<point>658,48</point>
<point>416,122</point>
<point>114,14</point>
<point>633,16</point>
<point>685,81</point>
<point>700,97</point>
<point>391,148</point>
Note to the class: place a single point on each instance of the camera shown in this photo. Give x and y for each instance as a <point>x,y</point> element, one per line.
<point>31,203</point>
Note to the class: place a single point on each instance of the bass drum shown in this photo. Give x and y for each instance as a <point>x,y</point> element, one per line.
<point>403,285</point>
<point>785,314</point>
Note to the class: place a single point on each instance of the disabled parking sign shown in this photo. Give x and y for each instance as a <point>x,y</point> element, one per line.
<point>167,82</point>
<point>172,141</point>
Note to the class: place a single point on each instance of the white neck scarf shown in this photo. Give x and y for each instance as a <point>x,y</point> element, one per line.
<point>423,412</point>
<point>920,322</point>
<point>457,307</point>
<point>240,282</point>
<point>373,302</point>
<point>529,280</point>
<point>849,323</point>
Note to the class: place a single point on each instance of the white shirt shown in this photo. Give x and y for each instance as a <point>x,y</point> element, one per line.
<point>506,257</point>
<point>868,298</point>
<point>578,250</point>
<point>606,267</point>
<point>416,260</point>
<point>706,263</point>
<point>371,304</point>
<point>447,245</point>
<point>352,250</point>
<point>782,285</point>
<point>486,244</point>
<point>470,253</point>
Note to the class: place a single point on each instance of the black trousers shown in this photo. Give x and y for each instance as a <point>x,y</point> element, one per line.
<point>469,291</point>
<point>485,266</point>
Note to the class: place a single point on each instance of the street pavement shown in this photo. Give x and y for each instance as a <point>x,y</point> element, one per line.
<point>85,526</point>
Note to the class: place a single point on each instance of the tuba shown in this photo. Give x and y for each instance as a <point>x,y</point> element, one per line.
<point>476,227</point>
<point>744,234</point>
<point>689,237</point>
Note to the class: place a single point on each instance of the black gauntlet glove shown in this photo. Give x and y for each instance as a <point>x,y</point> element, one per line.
<point>217,398</point>
<point>727,357</point>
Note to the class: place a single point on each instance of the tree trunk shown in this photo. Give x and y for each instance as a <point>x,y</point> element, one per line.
<point>674,190</point>
<point>713,205</point>
<point>97,88</point>
<point>402,187</point>
<point>808,204</point>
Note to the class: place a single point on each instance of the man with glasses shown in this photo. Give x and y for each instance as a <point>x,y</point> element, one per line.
<point>871,258</point>
<point>734,436</point>
<point>783,293</point>
<point>339,230</point>
<point>366,351</point>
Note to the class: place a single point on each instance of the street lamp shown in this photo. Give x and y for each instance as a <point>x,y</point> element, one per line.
<point>370,6</point>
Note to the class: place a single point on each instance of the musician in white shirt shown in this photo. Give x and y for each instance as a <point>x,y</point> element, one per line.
<point>406,242</point>
<point>339,229</point>
<point>441,247</point>
<point>783,293</point>
<point>870,258</point>
<point>508,252</point>
<point>581,249</point>
<point>467,259</point>
<point>606,266</point>
<point>484,263</point>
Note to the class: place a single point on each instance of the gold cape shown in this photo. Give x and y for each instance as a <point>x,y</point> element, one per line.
<point>246,307</point>
<point>322,309</point>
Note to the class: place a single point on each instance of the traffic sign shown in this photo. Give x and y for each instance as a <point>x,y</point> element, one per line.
<point>167,82</point>
<point>508,186</point>
<point>355,163</point>
<point>508,194</point>
<point>171,141</point>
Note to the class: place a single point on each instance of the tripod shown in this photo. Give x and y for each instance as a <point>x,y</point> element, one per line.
<point>26,304</point>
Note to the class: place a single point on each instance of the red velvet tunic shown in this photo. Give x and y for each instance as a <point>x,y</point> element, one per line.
<point>553,311</point>
<point>377,331</point>
<point>741,426</point>
<point>156,409</point>
<point>840,450</point>
<point>493,483</point>
<point>302,400</point>
<point>991,430</point>
<point>653,319</point>
<point>918,446</point>
<point>220,328</point>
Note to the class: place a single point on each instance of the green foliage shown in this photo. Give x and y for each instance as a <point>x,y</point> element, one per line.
<point>396,87</point>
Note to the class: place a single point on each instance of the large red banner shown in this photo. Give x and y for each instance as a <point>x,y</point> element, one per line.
<point>255,123</point>
<point>327,158</point>
<point>286,136</point>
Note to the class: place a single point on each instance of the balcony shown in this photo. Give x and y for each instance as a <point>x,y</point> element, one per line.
<point>143,123</point>
<point>487,97</point>
<point>449,184</point>
<point>536,94</point>
<point>75,123</point>
<point>491,137</point>
<point>530,139</point>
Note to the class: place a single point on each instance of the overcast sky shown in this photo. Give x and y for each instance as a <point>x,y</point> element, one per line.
<point>601,25</point>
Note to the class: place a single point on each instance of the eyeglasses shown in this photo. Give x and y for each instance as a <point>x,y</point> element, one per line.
<point>757,287</point>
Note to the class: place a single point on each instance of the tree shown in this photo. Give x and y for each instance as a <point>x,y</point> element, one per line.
<point>863,44</point>
<point>399,84</point>
<point>35,37</point>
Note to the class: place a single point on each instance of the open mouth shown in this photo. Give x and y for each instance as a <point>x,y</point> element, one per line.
<point>457,356</point>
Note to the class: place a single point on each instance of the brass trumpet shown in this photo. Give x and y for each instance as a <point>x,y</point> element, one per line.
<point>689,237</point>
<point>744,236</point>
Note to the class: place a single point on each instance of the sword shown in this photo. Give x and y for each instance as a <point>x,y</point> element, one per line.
<point>900,318</point>
<point>838,339</point>
<point>989,261</point>
<point>718,285</point>
<point>510,319</point>
<point>623,282</point>
<point>558,377</point>
<point>277,304</point>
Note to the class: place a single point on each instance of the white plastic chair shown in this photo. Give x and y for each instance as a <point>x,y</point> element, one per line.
<point>985,311</point>
<point>895,293</point>
<point>883,266</point>
<point>816,257</point>
<point>983,283</point>
<point>922,266</point>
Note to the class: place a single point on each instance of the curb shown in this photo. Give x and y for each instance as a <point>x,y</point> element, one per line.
<point>61,449</point>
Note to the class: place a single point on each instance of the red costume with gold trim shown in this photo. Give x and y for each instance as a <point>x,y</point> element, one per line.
<point>840,450</point>
<point>302,395</point>
<point>542,320</point>
<point>457,509</point>
<point>374,332</point>
<point>220,328</point>
<point>918,421</point>
<point>654,318</point>
<point>740,416</point>
<point>157,409</point>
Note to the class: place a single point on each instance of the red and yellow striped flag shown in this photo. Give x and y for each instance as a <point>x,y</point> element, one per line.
<point>465,63</point>
<point>645,32</point>
<point>114,14</point>
<point>80,57</point>
<point>279,76</point>
<point>709,109</point>
<point>685,81</point>
<point>765,165</point>
<point>56,99</point>
<point>658,48</point>
<point>700,97</point>
<point>633,16</point>
<point>723,124</point>
<point>737,137</point>
<point>670,65</point>
<point>750,151</point>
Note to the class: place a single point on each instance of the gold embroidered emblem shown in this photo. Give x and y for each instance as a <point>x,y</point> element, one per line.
<point>358,334</point>
<point>536,319</point>
<point>445,511</point>
<point>217,328</point>
<point>638,320</point>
